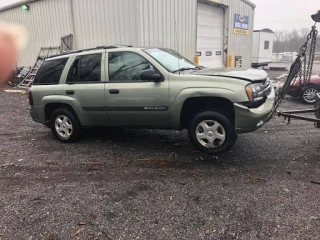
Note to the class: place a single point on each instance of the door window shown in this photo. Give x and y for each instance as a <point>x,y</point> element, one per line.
<point>86,68</point>
<point>127,66</point>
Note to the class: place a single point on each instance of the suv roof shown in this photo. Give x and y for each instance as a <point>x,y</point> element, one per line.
<point>88,49</point>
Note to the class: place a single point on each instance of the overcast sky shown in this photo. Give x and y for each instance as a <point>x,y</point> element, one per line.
<point>273,14</point>
<point>7,2</point>
<point>285,14</point>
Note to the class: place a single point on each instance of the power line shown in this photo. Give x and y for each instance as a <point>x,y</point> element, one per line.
<point>277,21</point>
<point>287,19</point>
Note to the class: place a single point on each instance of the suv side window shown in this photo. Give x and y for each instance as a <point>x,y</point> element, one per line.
<point>86,68</point>
<point>127,66</point>
<point>50,72</point>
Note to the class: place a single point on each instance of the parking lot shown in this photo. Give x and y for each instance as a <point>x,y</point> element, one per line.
<point>274,74</point>
<point>152,184</point>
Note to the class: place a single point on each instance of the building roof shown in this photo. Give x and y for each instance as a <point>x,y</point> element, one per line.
<point>17,4</point>
<point>249,3</point>
<point>267,30</point>
<point>21,2</point>
<point>226,2</point>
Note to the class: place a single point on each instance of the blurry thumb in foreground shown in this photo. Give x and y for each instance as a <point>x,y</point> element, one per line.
<point>12,41</point>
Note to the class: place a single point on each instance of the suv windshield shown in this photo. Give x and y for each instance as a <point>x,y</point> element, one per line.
<point>171,60</point>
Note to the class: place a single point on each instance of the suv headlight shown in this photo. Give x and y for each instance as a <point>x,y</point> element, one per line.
<point>255,91</point>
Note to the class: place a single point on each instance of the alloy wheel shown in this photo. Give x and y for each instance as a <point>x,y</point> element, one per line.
<point>309,95</point>
<point>210,134</point>
<point>63,126</point>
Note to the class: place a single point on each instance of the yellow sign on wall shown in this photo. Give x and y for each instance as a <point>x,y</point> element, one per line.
<point>240,31</point>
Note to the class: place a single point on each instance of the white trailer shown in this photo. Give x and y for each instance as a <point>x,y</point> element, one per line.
<point>262,45</point>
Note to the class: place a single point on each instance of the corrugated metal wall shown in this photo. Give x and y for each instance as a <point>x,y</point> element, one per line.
<point>136,22</point>
<point>176,30</point>
<point>105,22</point>
<point>128,22</point>
<point>240,45</point>
<point>46,22</point>
<point>165,23</point>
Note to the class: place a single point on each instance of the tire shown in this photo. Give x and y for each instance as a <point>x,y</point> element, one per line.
<point>69,123</point>
<point>306,94</point>
<point>219,124</point>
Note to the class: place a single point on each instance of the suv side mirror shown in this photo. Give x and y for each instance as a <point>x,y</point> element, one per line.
<point>150,75</point>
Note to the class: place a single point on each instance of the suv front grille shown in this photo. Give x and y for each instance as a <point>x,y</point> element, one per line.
<point>267,87</point>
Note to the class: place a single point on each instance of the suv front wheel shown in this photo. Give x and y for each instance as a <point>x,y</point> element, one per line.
<point>65,125</point>
<point>212,132</point>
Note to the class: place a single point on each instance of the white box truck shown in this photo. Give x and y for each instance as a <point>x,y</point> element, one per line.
<point>262,45</point>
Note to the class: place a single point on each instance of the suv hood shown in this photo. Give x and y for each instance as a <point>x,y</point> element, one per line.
<point>250,75</point>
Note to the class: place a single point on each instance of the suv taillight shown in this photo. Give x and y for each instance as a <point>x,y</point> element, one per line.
<point>30,98</point>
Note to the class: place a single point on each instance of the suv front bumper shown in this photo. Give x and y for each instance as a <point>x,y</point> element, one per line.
<point>251,119</point>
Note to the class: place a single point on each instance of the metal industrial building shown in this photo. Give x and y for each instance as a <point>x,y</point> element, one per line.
<point>219,32</point>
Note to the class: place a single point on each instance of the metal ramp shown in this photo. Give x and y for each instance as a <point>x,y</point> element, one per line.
<point>44,53</point>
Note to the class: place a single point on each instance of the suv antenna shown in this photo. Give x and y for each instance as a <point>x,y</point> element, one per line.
<point>177,43</point>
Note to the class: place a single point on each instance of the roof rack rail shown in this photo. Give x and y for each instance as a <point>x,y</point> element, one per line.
<point>114,46</point>
<point>107,47</point>
<point>88,49</point>
<point>65,53</point>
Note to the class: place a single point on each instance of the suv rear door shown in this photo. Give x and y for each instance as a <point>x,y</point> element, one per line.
<point>85,87</point>
<point>131,101</point>
<point>47,84</point>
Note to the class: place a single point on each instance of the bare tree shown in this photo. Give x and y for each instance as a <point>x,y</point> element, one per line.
<point>303,32</point>
<point>291,41</point>
<point>280,38</point>
<point>281,35</point>
<point>294,41</point>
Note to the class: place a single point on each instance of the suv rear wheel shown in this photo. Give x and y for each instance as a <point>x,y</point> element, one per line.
<point>212,132</point>
<point>65,125</point>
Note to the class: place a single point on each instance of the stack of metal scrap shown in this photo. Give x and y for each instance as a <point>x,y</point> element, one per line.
<point>21,74</point>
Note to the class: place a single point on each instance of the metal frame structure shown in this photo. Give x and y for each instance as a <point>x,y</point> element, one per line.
<point>44,53</point>
<point>293,115</point>
<point>296,72</point>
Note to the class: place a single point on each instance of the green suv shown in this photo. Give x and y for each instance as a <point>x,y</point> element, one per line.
<point>126,87</point>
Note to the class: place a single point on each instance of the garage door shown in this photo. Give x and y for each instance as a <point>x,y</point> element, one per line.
<point>210,35</point>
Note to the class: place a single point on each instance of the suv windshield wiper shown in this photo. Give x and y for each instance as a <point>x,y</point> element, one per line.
<point>185,69</point>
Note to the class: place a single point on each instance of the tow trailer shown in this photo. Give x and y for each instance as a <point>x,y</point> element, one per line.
<point>301,70</point>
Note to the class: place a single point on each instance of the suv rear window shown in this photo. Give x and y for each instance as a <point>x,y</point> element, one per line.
<point>50,72</point>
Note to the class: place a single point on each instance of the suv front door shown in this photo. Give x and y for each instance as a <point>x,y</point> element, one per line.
<point>130,100</point>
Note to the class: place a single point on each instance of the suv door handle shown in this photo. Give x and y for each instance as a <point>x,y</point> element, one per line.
<point>69,92</point>
<point>114,91</point>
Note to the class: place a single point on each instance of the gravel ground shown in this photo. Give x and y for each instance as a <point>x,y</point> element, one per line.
<point>142,184</point>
